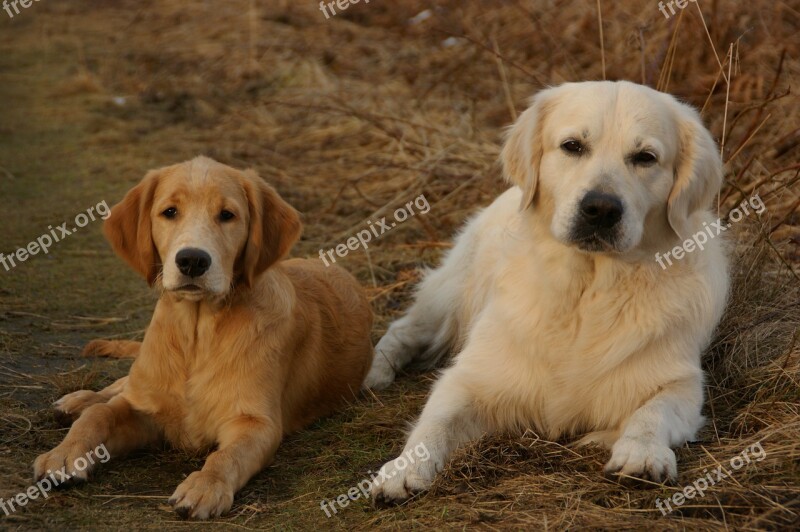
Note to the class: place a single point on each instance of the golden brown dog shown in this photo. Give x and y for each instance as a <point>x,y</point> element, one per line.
<point>242,348</point>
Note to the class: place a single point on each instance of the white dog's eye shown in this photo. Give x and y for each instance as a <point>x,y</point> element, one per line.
<point>572,146</point>
<point>644,158</point>
<point>226,215</point>
<point>170,213</point>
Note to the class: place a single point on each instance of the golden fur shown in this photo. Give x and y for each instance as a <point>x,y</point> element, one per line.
<point>235,358</point>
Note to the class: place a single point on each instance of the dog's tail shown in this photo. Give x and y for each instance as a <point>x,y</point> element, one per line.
<point>112,348</point>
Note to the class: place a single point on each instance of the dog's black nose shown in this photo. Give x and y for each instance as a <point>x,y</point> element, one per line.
<point>601,210</point>
<point>193,262</point>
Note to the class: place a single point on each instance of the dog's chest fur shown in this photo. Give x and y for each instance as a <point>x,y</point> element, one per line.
<point>583,345</point>
<point>188,381</point>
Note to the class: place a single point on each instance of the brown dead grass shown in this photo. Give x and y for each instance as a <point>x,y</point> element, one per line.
<point>350,119</point>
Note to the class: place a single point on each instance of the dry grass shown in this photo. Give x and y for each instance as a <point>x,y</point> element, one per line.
<point>351,118</point>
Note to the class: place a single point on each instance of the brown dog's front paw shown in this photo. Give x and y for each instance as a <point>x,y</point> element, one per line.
<point>70,406</point>
<point>65,465</point>
<point>202,496</point>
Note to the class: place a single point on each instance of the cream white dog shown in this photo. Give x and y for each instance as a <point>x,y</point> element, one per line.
<point>562,319</point>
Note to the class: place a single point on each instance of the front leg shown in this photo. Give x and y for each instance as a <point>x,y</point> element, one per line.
<point>114,428</point>
<point>447,421</point>
<point>668,419</point>
<point>72,404</point>
<point>429,326</point>
<point>247,445</point>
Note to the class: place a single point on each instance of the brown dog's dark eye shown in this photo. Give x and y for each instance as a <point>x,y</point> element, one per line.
<point>644,158</point>
<point>170,213</point>
<point>573,147</point>
<point>226,216</point>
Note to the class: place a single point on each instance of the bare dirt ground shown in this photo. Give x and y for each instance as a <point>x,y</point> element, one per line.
<point>350,118</point>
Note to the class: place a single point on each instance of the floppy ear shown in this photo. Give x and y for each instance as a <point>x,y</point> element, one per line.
<point>128,228</point>
<point>698,172</point>
<point>523,149</point>
<point>274,228</point>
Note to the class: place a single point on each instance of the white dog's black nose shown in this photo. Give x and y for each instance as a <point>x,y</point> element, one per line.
<point>193,262</point>
<point>601,210</point>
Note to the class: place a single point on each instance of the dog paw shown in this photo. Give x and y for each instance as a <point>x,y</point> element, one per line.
<point>642,459</point>
<point>71,405</point>
<point>380,375</point>
<point>111,348</point>
<point>202,496</point>
<point>395,484</point>
<point>382,372</point>
<point>98,348</point>
<point>69,463</point>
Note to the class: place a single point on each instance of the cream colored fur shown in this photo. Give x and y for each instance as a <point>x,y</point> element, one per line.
<point>593,346</point>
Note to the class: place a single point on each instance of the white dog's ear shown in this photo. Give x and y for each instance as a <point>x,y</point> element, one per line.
<point>522,152</point>
<point>698,171</point>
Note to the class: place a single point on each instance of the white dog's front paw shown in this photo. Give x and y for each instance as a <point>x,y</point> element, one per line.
<point>395,484</point>
<point>380,375</point>
<point>642,458</point>
<point>387,355</point>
